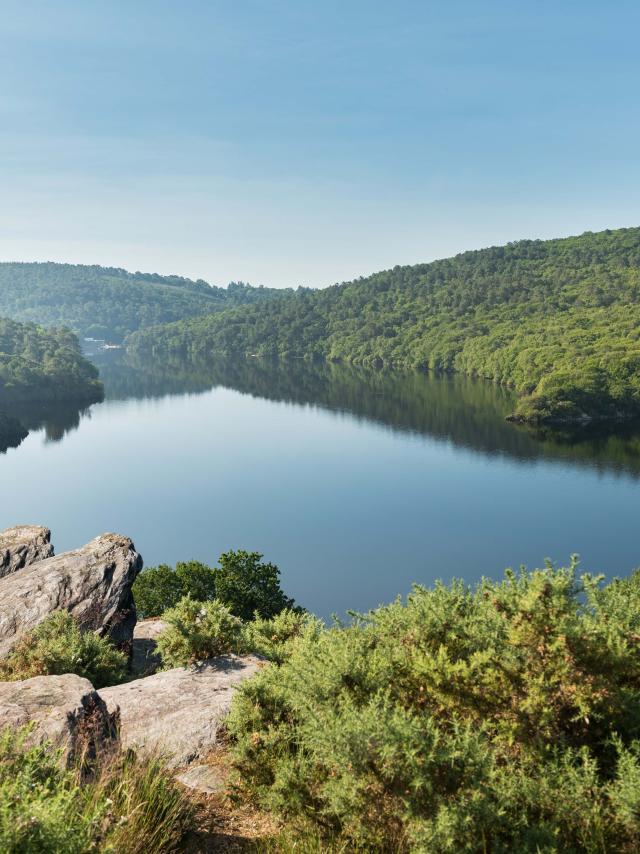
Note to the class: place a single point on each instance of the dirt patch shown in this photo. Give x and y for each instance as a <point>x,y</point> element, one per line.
<point>221,822</point>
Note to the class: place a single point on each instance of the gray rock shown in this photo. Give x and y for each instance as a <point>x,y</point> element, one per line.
<point>92,583</point>
<point>178,713</point>
<point>23,545</point>
<point>146,658</point>
<point>64,710</point>
<point>204,779</point>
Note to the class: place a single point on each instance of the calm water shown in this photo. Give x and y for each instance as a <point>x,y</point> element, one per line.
<point>356,484</point>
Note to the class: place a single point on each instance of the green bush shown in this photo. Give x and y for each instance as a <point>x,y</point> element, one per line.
<point>505,718</point>
<point>58,645</point>
<point>126,807</point>
<point>276,637</point>
<point>197,631</point>
<point>242,582</point>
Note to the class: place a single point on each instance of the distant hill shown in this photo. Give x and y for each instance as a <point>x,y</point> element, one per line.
<point>107,302</point>
<point>557,320</point>
<point>44,365</point>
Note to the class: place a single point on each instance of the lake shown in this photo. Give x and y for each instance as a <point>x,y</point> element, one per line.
<point>356,483</point>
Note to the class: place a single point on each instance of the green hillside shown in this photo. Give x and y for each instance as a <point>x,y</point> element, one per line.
<point>44,365</point>
<point>106,302</point>
<point>557,320</point>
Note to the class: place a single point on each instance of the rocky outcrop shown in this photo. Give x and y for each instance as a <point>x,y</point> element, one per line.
<point>178,712</point>
<point>92,583</point>
<point>64,710</point>
<point>146,659</point>
<point>22,546</point>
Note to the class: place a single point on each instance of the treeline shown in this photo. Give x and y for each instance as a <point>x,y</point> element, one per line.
<point>557,320</point>
<point>44,365</point>
<point>110,303</point>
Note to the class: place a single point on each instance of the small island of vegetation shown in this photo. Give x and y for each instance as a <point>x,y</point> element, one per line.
<point>40,365</point>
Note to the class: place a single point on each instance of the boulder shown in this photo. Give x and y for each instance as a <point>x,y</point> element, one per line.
<point>92,583</point>
<point>146,659</point>
<point>64,710</point>
<point>23,545</point>
<point>178,713</point>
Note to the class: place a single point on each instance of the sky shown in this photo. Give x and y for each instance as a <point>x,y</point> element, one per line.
<point>293,142</point>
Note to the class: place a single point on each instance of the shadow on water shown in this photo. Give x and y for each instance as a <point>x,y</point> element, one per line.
<point>18,420</point>
<point>465,412</point>
<point>459,410</point>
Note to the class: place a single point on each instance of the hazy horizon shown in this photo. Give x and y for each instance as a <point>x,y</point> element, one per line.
<point>305,144</point>
<point>257,284</point>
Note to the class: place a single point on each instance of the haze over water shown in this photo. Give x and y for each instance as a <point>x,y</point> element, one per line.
<point>355,483</point>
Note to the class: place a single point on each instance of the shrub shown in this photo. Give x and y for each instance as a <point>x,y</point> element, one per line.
<point>197,631</point>
<point>127,807</point>
<point>158,588</point>
<point>242,582</point>
<point>275,638</point>
<point>58,645</point>
<point>505,718</point>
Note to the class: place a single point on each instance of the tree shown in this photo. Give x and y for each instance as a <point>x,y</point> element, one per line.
<point>246,585</point>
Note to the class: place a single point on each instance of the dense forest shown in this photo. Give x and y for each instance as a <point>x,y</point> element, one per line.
<point>110,303</point>
<point>557,320</point>
<point>44,365</point>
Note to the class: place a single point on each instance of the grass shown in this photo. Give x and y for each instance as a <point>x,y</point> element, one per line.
<point>114,804</point>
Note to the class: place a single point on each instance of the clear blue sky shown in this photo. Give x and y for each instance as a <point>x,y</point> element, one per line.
<point>296,142</point>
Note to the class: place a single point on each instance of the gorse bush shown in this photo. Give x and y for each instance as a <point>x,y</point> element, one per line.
<point>202,630</point>
<point>58,645</point>
<point>126,807</point>
<point>197,631</point>
<point>505,718</point>
<point>276,637</point>
<point>242,582</point>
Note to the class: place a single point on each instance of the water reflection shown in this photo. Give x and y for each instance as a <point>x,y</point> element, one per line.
<point>457,409</point>
<point>356,483</point>
<point>57,420</point>
<point>12,432</point>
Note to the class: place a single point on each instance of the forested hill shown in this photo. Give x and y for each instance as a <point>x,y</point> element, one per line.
<point>558,320</point>
<point>107,302</point>
<point>44,365</point>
